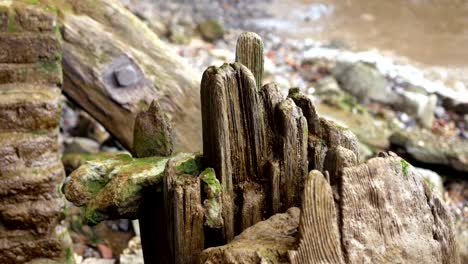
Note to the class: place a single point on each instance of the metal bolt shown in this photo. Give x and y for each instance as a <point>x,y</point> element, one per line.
<point>126,76</point>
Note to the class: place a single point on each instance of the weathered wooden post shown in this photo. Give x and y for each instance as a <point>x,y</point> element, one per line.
<point>249,52</point>
<point>260,147</point>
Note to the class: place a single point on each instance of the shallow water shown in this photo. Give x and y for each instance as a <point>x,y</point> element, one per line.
<point>431,32</point>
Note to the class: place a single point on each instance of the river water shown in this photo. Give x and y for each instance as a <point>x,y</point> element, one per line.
<point>431,32</point>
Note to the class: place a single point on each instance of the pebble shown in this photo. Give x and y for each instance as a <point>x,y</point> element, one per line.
<point>439,112</point>
<point>105,251</point>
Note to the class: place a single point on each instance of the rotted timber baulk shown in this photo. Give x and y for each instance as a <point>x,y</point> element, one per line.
<point>276,183</point>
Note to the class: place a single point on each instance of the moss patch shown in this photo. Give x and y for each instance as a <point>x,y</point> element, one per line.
<point>404,166</point>
<point>190,166</point>
<point>95,186</point>
<point>31,2</point>
<point>69,259</point>
<point>93,217</point>
<point>48,66</point>
<point>208,177</point>
<point>13,26</point>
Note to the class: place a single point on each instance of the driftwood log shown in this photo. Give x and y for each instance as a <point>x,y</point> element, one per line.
<point>115,66</point>
<point>265,154</point>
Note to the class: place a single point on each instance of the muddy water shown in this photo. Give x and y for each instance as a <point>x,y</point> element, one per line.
<point>432,32</point>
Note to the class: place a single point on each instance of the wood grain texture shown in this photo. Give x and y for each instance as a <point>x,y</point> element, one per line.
<point>265,242</point>
<point>389,216</point>
<point>319,240</point>
<point>243,131</point>
<point>100,37</point>
<point>184,216</point>
<point>249,52</point>
<point>324,138</point>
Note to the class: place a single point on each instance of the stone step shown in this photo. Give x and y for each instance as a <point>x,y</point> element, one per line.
<point>42,72</point>
<point>29,47</point>
<point>27,150</point>
<point>29,107</point>
<point>40,215</point>
<point>31,184</point>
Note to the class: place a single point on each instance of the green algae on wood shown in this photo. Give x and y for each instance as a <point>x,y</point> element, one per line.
<point>213,202</point>
<point>110,187</point>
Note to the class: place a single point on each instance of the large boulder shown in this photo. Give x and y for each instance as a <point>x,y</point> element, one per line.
<point>426,147</point>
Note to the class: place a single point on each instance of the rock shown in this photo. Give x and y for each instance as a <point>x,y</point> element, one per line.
<point>179,34</point>
<point>365,152</point>
<point>419,105</point>
<point>328,86</point>
<point>371,130</point>
<point>367,83</point>
<point>81,145</point>
<point>134,253</point>
<point>105,251</point>
<point>97,261</point>
<point>136,227</point>
<point>265,242</point>
<point>461,108</point>
<point>211,30</point>
<point>81,124</point>
<point>427,147</point>
<point>269,67</point>
<point>222,54</point>
<point>364,82</point>
<point>433,180</point>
